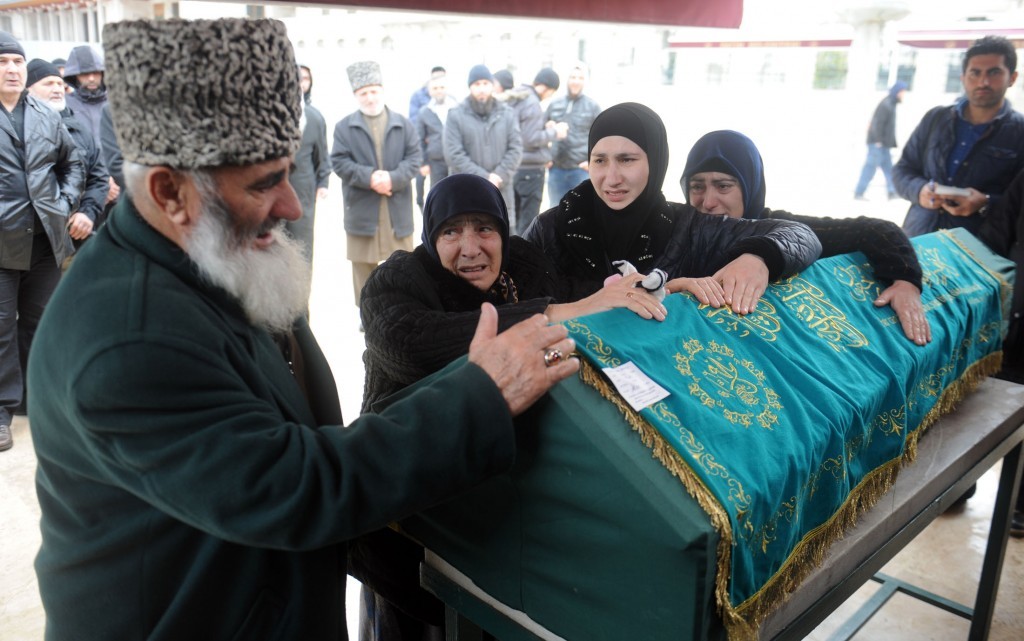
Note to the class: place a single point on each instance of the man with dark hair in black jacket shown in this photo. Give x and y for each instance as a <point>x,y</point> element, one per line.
<point>36,155</point>
<point>974,146</point>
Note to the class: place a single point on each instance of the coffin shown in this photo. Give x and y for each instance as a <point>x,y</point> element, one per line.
<point>692,517</point>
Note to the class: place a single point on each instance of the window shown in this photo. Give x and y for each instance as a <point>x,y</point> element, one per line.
<point>905,70</point>
<point>830,70</point>
<point>953,71</point>
<point>716,73</point>
<point>668,72</point>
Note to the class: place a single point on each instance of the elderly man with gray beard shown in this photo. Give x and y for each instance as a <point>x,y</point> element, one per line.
<point>45,83</point>
<point>376,154</point>
<point>195,476</point>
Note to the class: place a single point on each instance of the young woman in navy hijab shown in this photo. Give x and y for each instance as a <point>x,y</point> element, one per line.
<point>724,175</point>
<point>620,213</point>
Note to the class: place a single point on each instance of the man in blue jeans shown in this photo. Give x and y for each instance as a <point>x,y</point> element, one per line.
<point>538,135</point>
<point>881,140</point>
<point>576,112</point>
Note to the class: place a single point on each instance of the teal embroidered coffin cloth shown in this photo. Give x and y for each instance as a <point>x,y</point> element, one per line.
<point>787,423</point>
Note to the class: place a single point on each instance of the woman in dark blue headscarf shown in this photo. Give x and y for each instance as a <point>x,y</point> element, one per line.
<point>724,175</point>
<point>731,154</point>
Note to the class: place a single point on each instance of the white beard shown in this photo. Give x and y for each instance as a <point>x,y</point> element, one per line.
<point>271,284</point>
<point>378,110</point>
<point>56,106</point>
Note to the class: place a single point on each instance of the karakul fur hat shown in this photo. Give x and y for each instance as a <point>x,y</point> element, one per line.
<point>364,74</point>
<point>203,93</point>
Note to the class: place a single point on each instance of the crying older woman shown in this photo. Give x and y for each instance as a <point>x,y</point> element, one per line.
<point>420,310</point>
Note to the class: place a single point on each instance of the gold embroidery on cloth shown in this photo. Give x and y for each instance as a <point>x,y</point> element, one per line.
<point>811,305</point>
<point>720,380</point>
<point>858,278</point>
<point>763,322</point>
<point>743,621</point>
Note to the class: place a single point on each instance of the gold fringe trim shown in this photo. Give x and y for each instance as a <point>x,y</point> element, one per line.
<point>742,622</point>
<point>1005,286</point>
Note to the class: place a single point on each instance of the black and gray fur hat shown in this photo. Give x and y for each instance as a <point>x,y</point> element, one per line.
<point>364,74</point>
<point>203,93</point>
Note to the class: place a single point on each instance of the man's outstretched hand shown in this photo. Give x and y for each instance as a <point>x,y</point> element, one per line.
<point>520,360</point>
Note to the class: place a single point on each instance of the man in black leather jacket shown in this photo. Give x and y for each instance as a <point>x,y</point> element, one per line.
<point>40,178</point>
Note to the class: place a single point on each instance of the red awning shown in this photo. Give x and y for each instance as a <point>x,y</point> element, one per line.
<point>751,44</point>
<point>671,13</point>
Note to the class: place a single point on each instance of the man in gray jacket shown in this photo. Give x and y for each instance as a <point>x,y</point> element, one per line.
<point>430,129</point>
<point>537,136</point>
<point>482,137</point>
<point>376,154</point>
<point>36,155</point>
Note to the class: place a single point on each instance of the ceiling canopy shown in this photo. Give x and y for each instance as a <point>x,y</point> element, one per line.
<point>673,13</point>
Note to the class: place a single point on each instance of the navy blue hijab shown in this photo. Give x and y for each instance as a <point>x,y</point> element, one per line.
<point>729,152</point>
<point>460,194</point>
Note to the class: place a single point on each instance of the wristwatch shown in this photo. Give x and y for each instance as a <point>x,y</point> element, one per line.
<point>984,208</point>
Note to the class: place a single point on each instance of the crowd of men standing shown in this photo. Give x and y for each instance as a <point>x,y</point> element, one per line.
<point>512,136</point>
<point>58,131</point>
<point>56,189</point>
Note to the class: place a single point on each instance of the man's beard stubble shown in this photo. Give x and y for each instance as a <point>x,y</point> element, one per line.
<point>271,284</point>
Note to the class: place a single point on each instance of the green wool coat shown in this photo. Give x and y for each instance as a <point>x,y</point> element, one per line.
<point>188,489</point>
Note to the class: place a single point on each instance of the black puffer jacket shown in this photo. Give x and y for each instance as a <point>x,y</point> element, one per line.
<point>536,138</point>
<point>419,316</point>
<point>41,176</point>
<point>678,239</point>
<point>886,247</point>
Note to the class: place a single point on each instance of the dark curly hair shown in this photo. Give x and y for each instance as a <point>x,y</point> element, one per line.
<point>992,44</point>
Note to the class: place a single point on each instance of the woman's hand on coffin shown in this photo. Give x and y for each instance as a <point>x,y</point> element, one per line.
<point>707,290</point>
<point>744,281</point>
<point>516,358</point>
<point>618,291</point>
<point>625,292</point>
<point>905,299</point>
